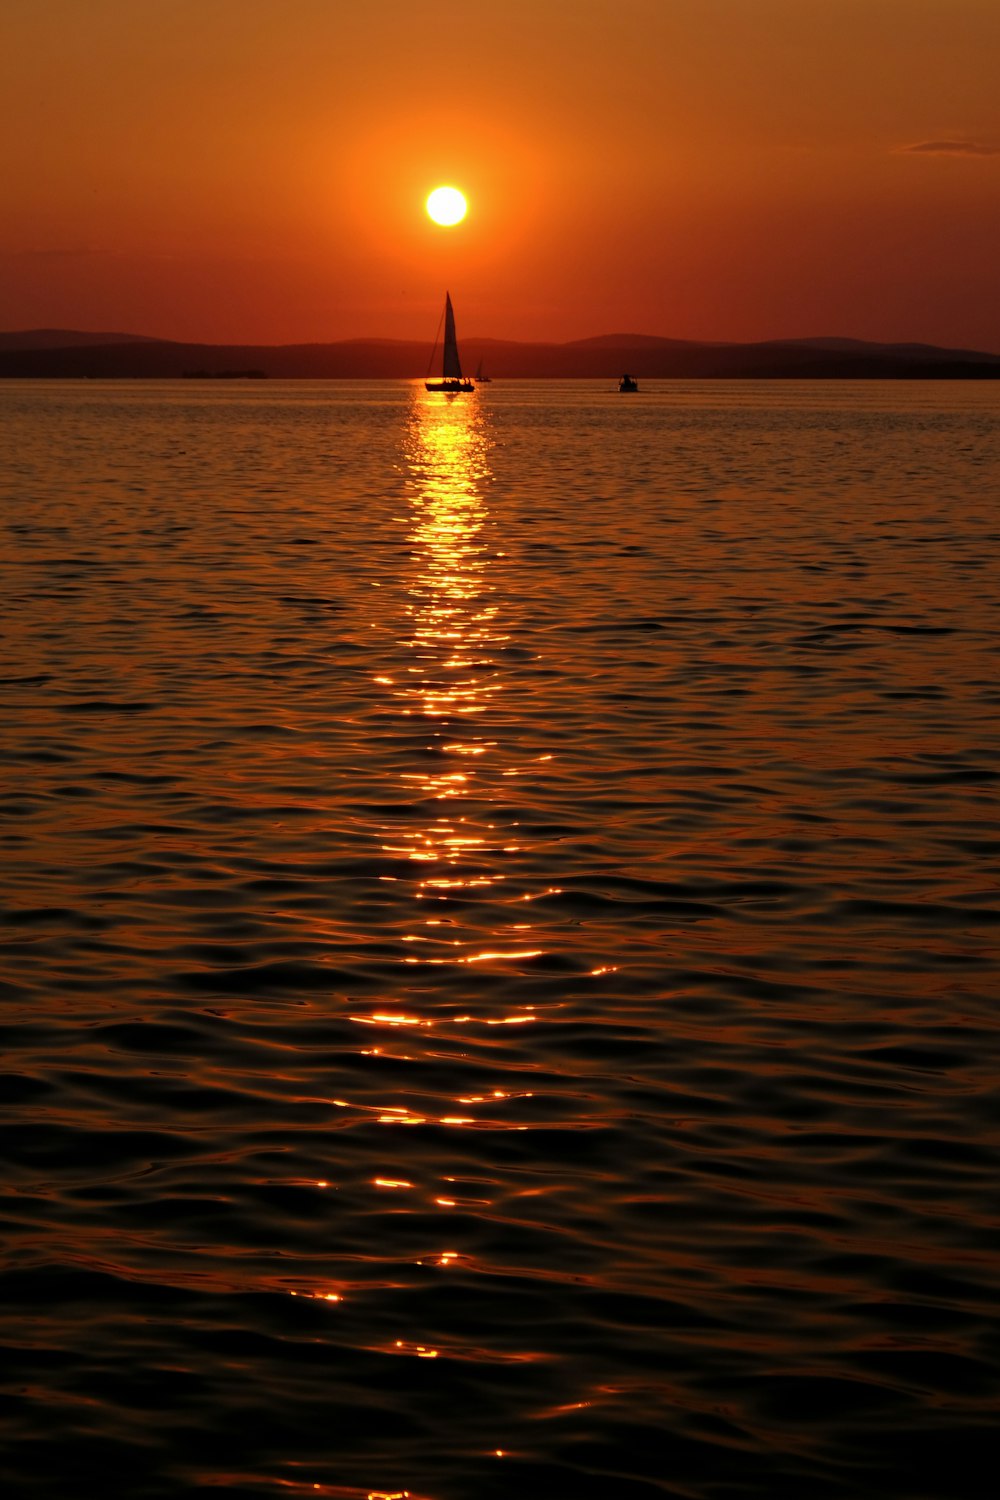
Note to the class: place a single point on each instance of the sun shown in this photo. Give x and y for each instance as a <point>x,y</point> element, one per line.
<point>446,205</point>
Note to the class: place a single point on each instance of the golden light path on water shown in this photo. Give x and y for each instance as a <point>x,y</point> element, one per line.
<point>453,631</point>
<point>460,926</point>
<point>453,634</point>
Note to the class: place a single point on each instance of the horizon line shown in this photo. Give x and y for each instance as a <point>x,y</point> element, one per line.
<point>108,336</point>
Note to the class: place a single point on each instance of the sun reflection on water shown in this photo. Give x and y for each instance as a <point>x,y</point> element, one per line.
<point>455,863</point>
<point>453,637</point>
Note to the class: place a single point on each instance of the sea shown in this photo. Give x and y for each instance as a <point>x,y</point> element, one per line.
<point>499,955</point>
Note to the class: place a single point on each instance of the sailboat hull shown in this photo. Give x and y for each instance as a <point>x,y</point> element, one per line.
<point>450,387</point>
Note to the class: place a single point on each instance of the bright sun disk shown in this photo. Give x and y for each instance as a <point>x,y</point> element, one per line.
<point>446,205</point>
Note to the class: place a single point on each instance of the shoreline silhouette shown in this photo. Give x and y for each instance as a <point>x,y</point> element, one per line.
<point>63,353</point>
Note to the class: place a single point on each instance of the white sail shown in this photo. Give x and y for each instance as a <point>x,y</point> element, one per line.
<point>452,364</point>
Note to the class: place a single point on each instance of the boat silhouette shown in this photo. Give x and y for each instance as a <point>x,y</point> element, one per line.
<point>452,382</point>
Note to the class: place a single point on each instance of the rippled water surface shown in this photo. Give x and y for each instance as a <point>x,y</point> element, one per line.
<point>499,975</point>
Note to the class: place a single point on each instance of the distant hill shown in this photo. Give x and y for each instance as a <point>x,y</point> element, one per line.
<point>67,338</point>
<point>62,353</point>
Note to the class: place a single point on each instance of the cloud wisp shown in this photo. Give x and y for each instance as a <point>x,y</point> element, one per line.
<point>951,148</point>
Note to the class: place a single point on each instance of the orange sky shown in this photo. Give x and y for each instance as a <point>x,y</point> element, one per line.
<point>255,169</point>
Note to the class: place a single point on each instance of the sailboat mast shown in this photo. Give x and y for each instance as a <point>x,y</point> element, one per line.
<point>452,365</point>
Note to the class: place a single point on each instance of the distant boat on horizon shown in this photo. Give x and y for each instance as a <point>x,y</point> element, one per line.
<point>479,377</point>
<point>452,382</point>
<point>628,383</point>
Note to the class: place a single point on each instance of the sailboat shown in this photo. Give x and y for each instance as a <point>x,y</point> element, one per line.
<point>453,383</point>
<point>479,377</point>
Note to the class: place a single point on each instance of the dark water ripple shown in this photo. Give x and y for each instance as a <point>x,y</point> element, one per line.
<point>499,941</point>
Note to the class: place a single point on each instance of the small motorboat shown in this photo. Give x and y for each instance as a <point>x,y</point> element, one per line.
<point>628,383</point>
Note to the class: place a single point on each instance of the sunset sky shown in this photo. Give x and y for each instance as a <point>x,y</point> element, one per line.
<point>255,170</point>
